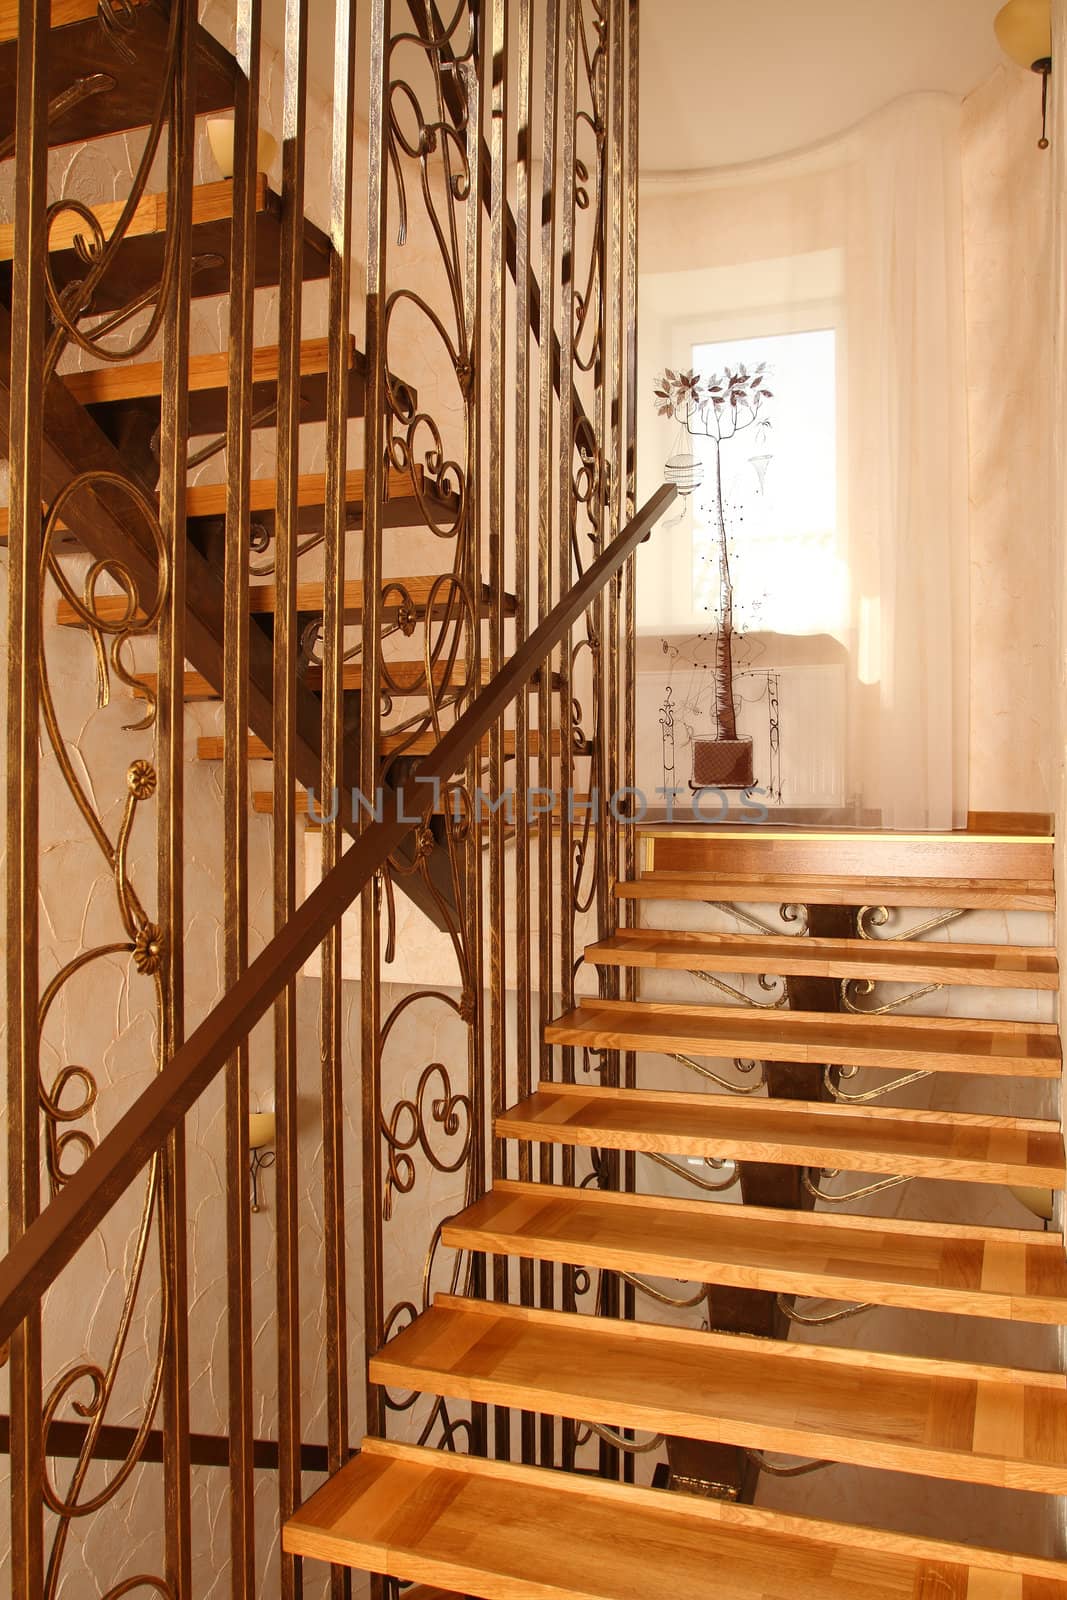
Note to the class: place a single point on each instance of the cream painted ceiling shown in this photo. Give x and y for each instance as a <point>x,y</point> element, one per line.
<point>724,81</point>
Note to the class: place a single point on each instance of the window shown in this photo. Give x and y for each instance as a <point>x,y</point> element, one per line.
<point>779,466</point>
<point>786,486</point>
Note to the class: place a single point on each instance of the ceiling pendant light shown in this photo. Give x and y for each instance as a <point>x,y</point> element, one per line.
<point>1024,32</point>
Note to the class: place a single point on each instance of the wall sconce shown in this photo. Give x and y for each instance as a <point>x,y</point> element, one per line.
<point>261,1153</point>
<point>220,136</point>
<point>1024,32</point>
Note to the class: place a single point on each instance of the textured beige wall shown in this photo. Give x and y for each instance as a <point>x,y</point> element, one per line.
<point>1008,265</point>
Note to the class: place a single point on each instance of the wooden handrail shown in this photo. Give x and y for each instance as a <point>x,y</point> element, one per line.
<point>50,1243</point>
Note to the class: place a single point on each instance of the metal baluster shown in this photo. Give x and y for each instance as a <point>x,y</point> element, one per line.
<point>173,454</point>
<point>333,763</point>
<point>286,646</point>
<point>23,719</point>
<point>235,788</point>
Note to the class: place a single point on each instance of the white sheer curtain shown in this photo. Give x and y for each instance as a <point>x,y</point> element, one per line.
<point>883,205</point>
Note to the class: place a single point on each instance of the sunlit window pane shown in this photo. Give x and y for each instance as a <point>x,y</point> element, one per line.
<point>779,490</point>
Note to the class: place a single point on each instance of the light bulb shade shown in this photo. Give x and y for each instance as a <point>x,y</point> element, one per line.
<point>220,136</point>
<point>1024,31</point>
<point>260,1129</point>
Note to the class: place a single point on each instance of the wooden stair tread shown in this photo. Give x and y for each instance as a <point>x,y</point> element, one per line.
<point>138,263</point>
<point>406,677</point>
<point>756,852</point>
<point>143,380</point>
<point>63,13</point>
<point>209,500</point>
<point>310,597</point>
<point>995,894</point>
<point>910,1043</point>
<point>931,1144</point>
<point>108,391</point>
<point>940,1419</point>
<point>78,48</point>
<point>1010,1274</point>
<point>508,1532</point>
<point>886,961</point>
<point>212,747</point>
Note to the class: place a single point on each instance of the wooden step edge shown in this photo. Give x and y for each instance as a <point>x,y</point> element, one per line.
<point>835,1221</point>
<point>830,835</point>
<point>845,1023</point>
<point>981,966</point>
<point>464,1366</point>
<point>722,1044</point>
<point>309,1531</point>
<point>596,1031</point>
<point>195,687</point>
<point>209,500</point>
<point>143,380</point>
<point>408,678</point>
<point>802,1022</point>
<point>803,1110</point>
<point>789,1133</point>
<point>785,1352</point>
<point>931,896</point>
<point>211,202</point>
<point>1004,1297</point>
<point>113,607</point>
<point>63,13</point>
<point>309,596</point>
<point>817,1149</point>
<point>212,747</point>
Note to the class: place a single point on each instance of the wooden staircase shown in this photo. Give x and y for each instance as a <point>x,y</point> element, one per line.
<point>106,419</point>
<point>498,1530</point>
<point>460,1524</point>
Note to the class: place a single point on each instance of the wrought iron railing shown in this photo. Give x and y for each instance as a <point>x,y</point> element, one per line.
<point>499,444</point>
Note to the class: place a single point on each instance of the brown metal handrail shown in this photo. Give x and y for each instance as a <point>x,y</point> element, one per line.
<point>48,1245</point>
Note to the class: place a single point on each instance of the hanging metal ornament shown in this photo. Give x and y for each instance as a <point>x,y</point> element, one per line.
<point>762,461</point>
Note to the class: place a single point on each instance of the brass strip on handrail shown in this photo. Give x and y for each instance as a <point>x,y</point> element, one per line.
<point>56,1236</point>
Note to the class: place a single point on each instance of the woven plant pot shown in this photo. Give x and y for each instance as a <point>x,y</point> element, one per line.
<point>722,764</point>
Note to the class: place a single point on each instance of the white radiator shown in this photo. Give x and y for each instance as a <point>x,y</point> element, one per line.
<point>811,722</point>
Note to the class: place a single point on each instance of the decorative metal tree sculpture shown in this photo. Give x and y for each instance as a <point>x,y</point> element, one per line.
<point>717,408</point>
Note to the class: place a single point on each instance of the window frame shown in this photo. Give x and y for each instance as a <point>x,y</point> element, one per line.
<point>672,576</point>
